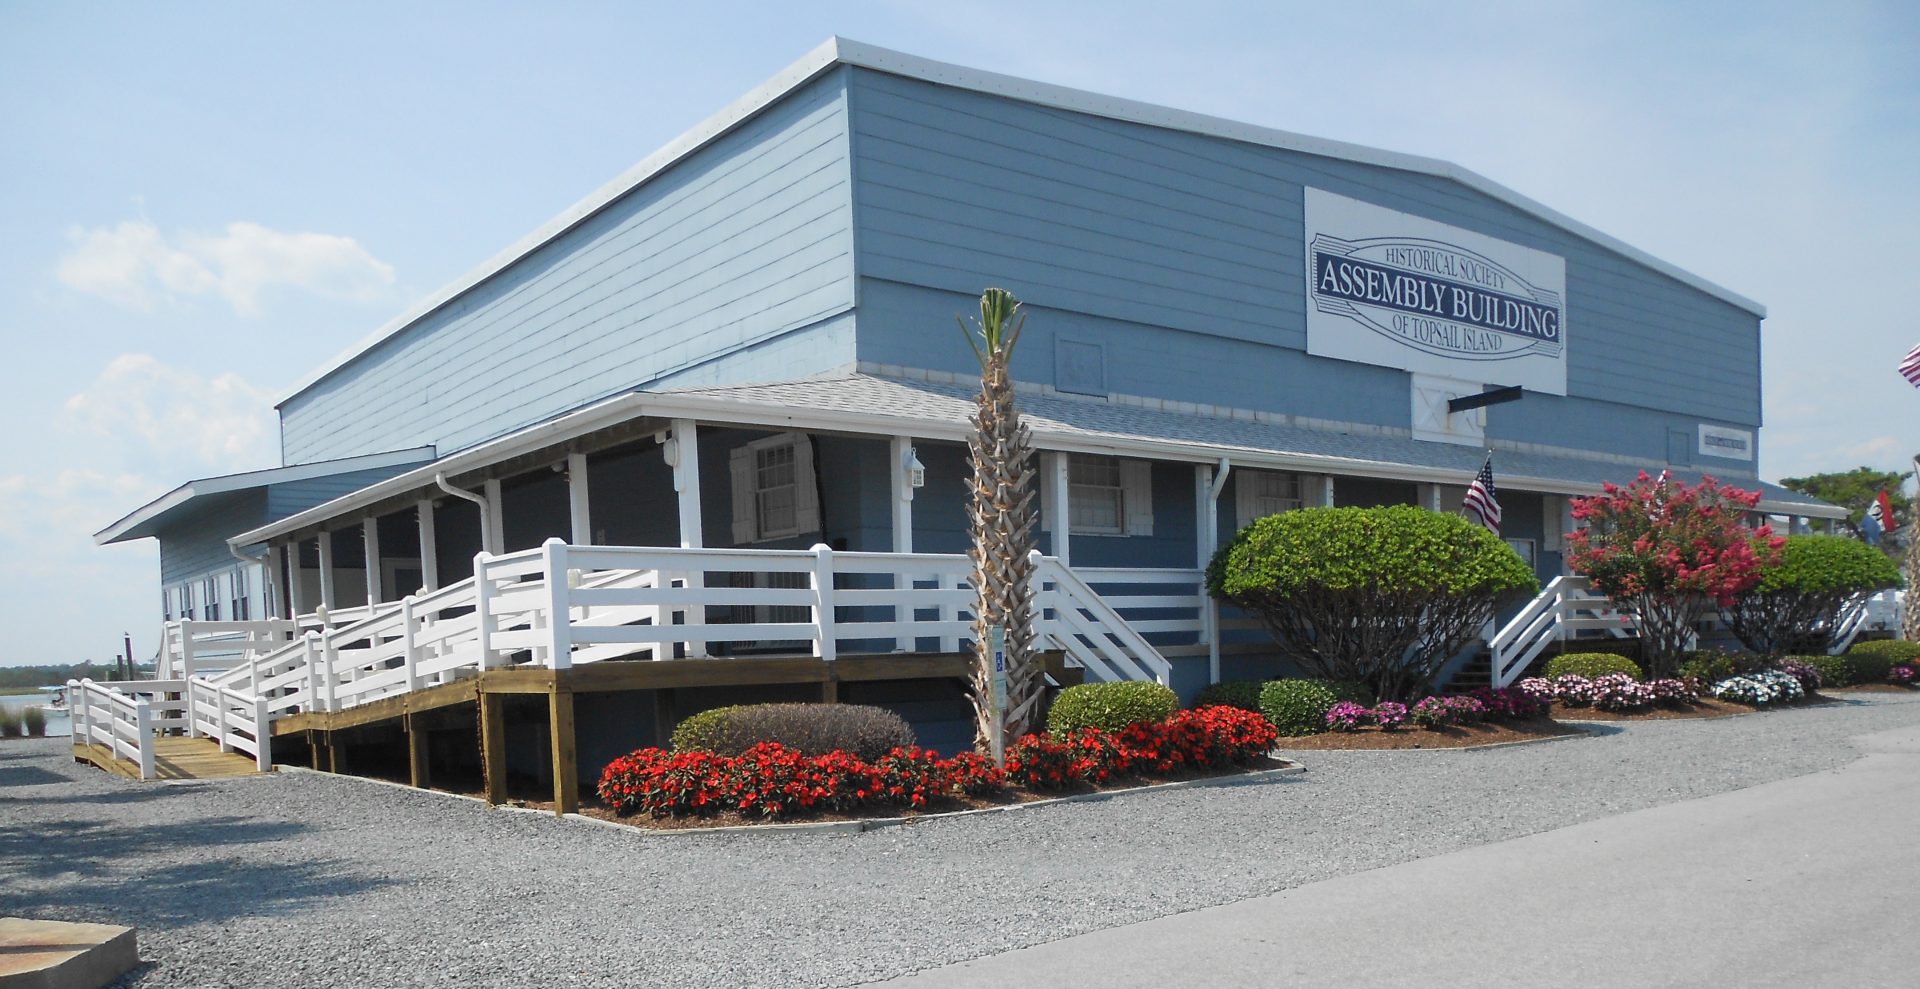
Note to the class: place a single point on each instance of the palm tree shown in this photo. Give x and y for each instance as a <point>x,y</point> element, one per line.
<point>1001,517</point>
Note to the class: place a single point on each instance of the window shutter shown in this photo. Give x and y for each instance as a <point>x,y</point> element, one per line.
<point>806,490</point>
<point>1136,494</point>
<point>740,464</point>
<point>1246,497</point>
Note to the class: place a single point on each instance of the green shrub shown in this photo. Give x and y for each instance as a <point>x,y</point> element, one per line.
<point>34,720</point>
<point>1798,604</point>
<point>1381,595</point>
<point>1872,660</point>
<point>1243,694</point>
<point>701,732</point>
<point>1592,665</point>
<point>10,723</point>
<point>1835,671</point>
<point>1111,706</point>
<point>813,729</point>
<point>1298,707</point>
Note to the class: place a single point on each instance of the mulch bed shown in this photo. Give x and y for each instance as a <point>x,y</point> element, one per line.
<point>1872,688</point>
<point>590,806</point>
<point>1705,707</point>
<point>1456,737</point>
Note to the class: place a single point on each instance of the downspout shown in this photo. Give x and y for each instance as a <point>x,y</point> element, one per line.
<point>486,511</point>
<point>1210,610</point>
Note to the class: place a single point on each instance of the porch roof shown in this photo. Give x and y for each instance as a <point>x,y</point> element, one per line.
<point>1168,430</point>
<point>884,405</point>
<point>149,519</point>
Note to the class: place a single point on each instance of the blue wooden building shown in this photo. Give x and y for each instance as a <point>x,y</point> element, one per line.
<point>747,342</point>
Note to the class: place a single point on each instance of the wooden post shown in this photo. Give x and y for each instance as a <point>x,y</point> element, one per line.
<point>1326,490</point>
<point>313,750</point>
<point>493,528</point>
<point>333,753</point>
<point>262,735</point>
<point>483,609</point>
<point>410,643</point>
<point>566,769</point>
<point>901,451</point>
<point>143,733</point>
<point>684,458</point>
<point>417,770</point>
<point>493,745</point>
<point>296,594</point>
<point>559,614</point>
<point>326,569</point>
<point>1058,510</point>
<point>830,687</point>
<point>825,645</point>
<point>663,717</point>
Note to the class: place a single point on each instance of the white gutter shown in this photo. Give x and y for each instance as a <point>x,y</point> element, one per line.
<point>486,510</point>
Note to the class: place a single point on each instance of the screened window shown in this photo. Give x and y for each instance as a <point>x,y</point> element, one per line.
<point>1096,502</point>
<point>773,491</point>
<point>1266,492</point>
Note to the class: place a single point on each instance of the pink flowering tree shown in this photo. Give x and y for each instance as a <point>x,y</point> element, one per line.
<point>1670,551</point>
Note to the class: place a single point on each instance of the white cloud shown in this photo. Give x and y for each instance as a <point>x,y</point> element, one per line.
<point>135,265</point>
<point>174,416</point>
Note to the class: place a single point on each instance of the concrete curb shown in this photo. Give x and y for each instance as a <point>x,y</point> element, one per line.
<point>877,823</point>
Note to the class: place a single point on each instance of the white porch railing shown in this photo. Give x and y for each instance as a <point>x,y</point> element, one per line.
<point>121,717</point>
<point>559,606</point>
<point>1852,622</point>
<point>1567,606</point>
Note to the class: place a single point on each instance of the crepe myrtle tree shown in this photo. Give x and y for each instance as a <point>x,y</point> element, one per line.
<point>1000,518</point>
<point>1382,596</point>
<point>1797,606</point>
<point>1669,551</point>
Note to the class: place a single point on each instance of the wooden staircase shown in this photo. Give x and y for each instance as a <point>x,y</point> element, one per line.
<point>174,758</point>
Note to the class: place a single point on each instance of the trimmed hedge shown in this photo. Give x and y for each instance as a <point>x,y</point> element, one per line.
<point>860,730</point>
<point>1835,671</point>
<point>1592,665</point>
<point>1894,651</point>
<point>1298,707</point>
<point>1243,694</point>
<point>1111,706</point>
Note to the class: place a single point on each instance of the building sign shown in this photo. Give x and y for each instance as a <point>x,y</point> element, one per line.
<point>1401,291</point>
<point>1730,444</point>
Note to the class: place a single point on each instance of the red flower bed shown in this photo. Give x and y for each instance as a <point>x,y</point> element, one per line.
<point>771,781</point>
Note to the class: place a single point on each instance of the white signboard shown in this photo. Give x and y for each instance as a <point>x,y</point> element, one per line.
<point>1719,441</point>
<point>1402,291</point>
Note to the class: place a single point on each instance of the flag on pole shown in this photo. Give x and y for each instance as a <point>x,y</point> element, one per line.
<point>1879,519</point>
<point>1910,367</point>
<point>1481,502</point>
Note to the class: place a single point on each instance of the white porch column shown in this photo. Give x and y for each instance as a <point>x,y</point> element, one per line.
<point>326,568</point>
<point>684,457</point>
<point>1430,497</point>
<point>1326,490</point>
<point>370,534</point>
<point>493,528</point>
<point>577,505</point>
<point>296,589</point>
<point>429,549</point>
<point>900,450</point>
<point>273,587</point>
<point>1056,511</point>
<point>1206,493</point>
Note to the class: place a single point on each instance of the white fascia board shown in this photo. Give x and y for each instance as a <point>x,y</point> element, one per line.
<point>222,483</point>
<point>840,51</point>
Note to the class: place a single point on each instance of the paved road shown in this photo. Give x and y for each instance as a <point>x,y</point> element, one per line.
<point>1810,881</point>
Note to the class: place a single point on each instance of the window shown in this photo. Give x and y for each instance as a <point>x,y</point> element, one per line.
<point>210,592</point>
<point>1108,496</point>
<point>186,601</point>
<point>1260,493</point>
<point>237,586</point>
<point>1524,547</point>
<point>774,493</point>
<point>166,604</point>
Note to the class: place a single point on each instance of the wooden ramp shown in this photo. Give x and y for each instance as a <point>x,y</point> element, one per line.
<point>175,758</point>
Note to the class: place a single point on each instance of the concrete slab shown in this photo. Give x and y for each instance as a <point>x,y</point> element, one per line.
<point>1804,882</point>
<point>52,954</point>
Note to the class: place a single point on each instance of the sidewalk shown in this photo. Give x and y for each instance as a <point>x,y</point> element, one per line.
<point>1811,881</point>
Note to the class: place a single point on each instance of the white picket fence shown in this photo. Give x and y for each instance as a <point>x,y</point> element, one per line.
<point>559,606</point>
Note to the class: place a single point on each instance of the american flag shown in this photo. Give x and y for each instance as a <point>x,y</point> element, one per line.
<point>1910,367</point>
<point>1481,502</point>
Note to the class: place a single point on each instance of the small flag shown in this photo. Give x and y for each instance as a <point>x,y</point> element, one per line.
<point>1481,502</point>
<point>1879,519</point>
<point>1910,367</point>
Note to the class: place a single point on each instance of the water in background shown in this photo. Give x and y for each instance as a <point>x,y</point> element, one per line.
<point>58,723</point>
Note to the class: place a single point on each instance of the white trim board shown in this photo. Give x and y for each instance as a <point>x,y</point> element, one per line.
<point>841,51</point>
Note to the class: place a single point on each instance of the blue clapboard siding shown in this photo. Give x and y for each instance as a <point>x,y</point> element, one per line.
<point>298,496</point>
<point>747,239</point>
<point>1184,254</point>
<point>196,545</point>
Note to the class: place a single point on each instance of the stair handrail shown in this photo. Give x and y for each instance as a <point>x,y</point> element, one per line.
<point>1107,628</point>
<point>1853,620</point>
<point>1527,633</point>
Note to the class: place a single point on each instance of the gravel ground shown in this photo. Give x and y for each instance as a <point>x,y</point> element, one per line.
<point>304,880</point>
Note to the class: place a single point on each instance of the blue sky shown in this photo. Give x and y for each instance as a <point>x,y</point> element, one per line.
<point>204,201</point>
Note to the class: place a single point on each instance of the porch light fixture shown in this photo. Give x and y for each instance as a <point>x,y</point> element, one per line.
<point>916,471</point>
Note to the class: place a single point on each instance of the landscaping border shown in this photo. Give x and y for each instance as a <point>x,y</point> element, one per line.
<point>864,824</point>
<point>1580,732</point>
